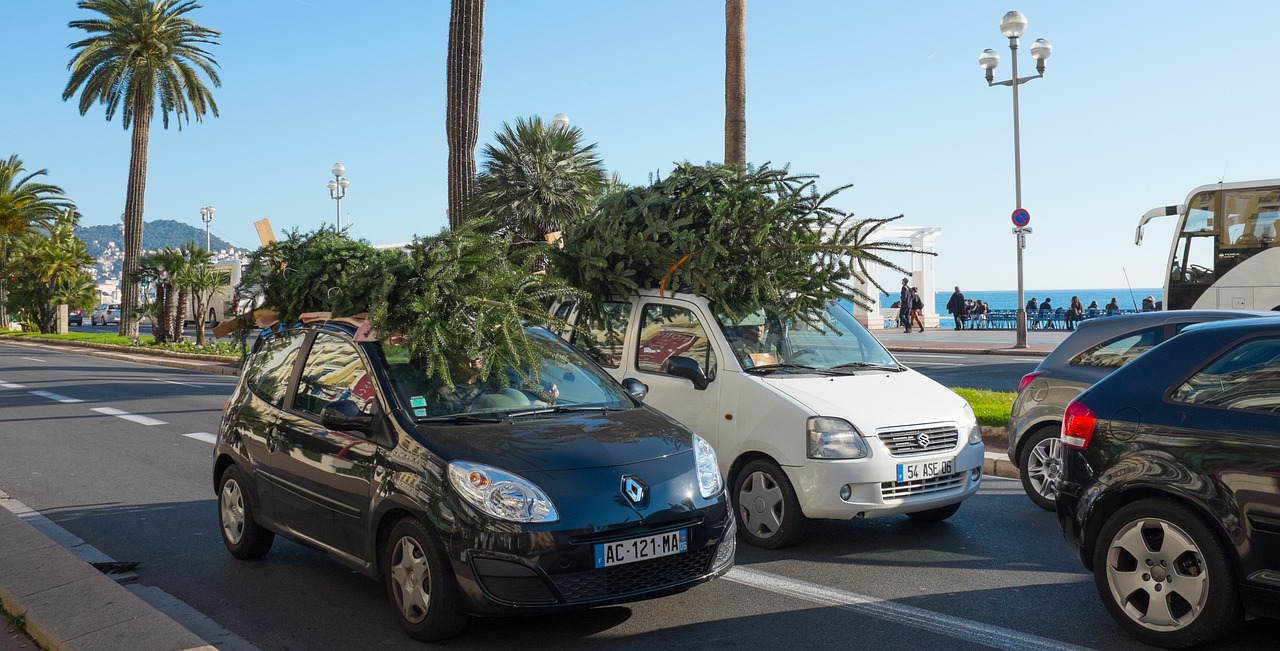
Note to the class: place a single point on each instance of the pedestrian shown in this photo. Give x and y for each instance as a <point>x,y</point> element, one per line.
<point>904,306</point>
<point>955,305</point>
<point>917,306</point>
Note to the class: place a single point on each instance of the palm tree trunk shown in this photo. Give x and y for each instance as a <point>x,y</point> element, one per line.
<point>159,328</point>
<point>735,82</point>
<point>180,313</point>
<point>462,112</point>
<point>133,219</point>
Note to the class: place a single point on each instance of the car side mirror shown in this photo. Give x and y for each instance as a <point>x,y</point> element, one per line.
<point>636,388</point>
<point>343,415</point>
<point>687,368</point>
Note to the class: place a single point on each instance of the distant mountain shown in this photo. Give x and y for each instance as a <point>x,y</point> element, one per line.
<point>155,235</point>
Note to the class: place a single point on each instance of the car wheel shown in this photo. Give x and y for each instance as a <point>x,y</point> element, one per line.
<point>420,585</point>
<point>935,515</point>
<point>1164,576</point>
<point>1040,466</point>
<point>769,514</point>
<point>241,533</point>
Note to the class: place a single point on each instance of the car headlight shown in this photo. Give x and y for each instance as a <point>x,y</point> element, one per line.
<point>835,438</point>
<point>710,483</point>
<point>501,494</point>
<point>969,422</point>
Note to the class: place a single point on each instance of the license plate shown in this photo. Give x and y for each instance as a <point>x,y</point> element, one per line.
<point>925,469</point>
<point>643,548</point>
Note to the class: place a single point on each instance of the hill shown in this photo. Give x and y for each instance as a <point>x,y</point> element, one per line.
<point>155,235</point>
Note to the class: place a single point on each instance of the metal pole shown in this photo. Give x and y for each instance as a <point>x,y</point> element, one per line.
<point>206,234</point>
<point>1021,341</point>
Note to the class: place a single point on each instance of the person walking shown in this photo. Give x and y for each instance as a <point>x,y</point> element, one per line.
<point>904,306</point>
<point>917,306</point>
<point>956,307</point>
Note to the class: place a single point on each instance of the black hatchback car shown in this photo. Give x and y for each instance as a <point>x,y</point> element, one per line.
<point>1170,491</point>
<point>557,491</point>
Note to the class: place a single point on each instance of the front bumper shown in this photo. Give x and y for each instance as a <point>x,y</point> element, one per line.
<point>874,490</point>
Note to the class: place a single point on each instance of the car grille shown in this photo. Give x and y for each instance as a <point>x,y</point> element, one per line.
<point>917,439</point>
<point>633,577</point>
<point>896,490</point>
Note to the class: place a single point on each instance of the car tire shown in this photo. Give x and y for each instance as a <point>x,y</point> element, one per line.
<point>935,515</point>
<point>1188,598</point>
<point>241,533</point>
<point>769,514</point>
<point>1040,466</point>
<point>420,585</point>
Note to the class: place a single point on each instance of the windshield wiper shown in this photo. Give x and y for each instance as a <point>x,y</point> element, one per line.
<point>867,365</point>
<point>785,366</point>
<point>560,409</point>
<point>463,419</point>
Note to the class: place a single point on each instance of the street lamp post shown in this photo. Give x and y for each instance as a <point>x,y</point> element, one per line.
<point>560,121</point>
<point>1013,25</point>
<point>338,188</point>
<point>206,214</point>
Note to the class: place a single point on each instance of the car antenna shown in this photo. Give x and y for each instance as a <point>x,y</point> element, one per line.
<point>1126,283</point>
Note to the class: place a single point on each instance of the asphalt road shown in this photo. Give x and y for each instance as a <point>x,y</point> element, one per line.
<point>955,370</point>
<point>127,468</point>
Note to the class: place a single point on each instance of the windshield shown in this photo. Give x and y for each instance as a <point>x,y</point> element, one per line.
<point>836,342</point>
<point>563,380</point>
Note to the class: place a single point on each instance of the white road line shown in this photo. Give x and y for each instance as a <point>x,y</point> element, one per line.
<point>185,384</point>
<point>10,385</point>
<point>133,418</point>
<point>956,627</point>
<point>928,355</point>
<point>936,364</point>
<point>55,396</point>
<point>37,359</point>
<point>1027,359</point>
<point>202,436</point>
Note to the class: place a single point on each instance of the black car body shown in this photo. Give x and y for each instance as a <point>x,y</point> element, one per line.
<point>1170,491</point>
<point>331,443</point>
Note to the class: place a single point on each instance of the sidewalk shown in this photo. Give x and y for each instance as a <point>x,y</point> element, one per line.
<point>945,339</point>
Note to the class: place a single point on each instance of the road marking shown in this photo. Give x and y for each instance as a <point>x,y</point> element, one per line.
<point>133,418</point>
<point>185,384</point>
<point>956,627</point>
<point>55,396</point>
<point>10,385</point>
<point>936,364</point>
<point>202,436</point>
<point>928,355</point>
<point>1027,359</point>
<point>37,359</point>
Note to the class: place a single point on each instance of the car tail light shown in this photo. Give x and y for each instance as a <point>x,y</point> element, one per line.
<point>1078,425</point>
<point>1027,379</point>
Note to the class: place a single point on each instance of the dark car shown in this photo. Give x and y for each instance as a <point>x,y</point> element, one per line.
<point>525,491</point>
<point>1098,347</point>
<point>1170,491</point>
<point>75,316</point>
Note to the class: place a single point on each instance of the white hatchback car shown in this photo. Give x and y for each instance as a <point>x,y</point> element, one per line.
<point>808,422</point>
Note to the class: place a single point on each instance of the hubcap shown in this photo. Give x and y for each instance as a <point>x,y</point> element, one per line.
<point>1044,467</point>
<point>761,505</point>
<point>1157,574</point>
<point>410,580</point>
<point>232,511</point>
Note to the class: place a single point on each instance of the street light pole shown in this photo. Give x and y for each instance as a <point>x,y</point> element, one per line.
<point>1013,25</point>
<point>338,188</point>
<point>206,214</point>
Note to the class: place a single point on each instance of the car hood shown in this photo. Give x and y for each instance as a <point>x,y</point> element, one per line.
<point>561,441</point>
<point>871,400</point>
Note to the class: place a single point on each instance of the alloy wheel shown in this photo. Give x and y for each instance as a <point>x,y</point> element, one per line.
<point>232,511</point>
<point>1157,574</point>
<point>1044,467</point>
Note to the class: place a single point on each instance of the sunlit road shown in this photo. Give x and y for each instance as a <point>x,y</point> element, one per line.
<point>119,455</point>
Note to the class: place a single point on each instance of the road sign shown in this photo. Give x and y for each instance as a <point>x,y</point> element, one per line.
<point>1021,217</point>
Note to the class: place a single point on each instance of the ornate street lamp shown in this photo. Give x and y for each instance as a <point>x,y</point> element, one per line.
<point>206,214</point>
<point>338,188</point>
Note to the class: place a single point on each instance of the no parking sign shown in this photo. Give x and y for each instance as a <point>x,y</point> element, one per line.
<point>1021,217</point>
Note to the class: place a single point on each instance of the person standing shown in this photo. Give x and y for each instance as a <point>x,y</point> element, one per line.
<point>904,306</point>
<point>956,307</point>
<point>917,306</point>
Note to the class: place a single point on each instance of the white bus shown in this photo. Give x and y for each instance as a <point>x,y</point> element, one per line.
<point>1222,256</point>
<point>223,304</point>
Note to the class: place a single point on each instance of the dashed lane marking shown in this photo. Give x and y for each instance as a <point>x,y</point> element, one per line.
<point>202,436</point>
<point>37,359</point>
<point>929,355</point>
<point>185,384</point>
<point>10,385</point>
<point>133,418</point>
<point>55,396</point>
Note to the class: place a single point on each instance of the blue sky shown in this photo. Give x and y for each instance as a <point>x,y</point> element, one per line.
<point>1141,102</point>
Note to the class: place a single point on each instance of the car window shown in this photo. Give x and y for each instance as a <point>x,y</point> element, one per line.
<point>1119,351</point>
<point>333,371</point>
<point>1245,377</point>
<point>269,368</point>
<point>670,330</point>
<point>602,338</point>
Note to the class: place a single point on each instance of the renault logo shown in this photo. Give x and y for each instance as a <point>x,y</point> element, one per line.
<point>922,439</point>
<point>635,490</point>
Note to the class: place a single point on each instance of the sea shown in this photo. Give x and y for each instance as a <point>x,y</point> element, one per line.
<point>1007,299</point>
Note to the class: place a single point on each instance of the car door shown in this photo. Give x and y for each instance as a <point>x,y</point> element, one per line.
<point>665,328</point>
<point>324,478</point>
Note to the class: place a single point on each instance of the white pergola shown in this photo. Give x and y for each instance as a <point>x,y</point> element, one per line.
<point>921,269</point>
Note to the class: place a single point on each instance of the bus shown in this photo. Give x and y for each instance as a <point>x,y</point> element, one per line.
<point>223,303</point>
<point>1222,255</point>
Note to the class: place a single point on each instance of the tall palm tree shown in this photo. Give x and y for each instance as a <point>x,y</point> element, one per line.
<point>24,204</point>
<point>735,82</point>
<point>537,179</point>
<point>140,53</point>
<point>462,109</point>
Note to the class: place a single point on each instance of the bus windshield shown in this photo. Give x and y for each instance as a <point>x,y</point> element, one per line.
<point>1217,248</point>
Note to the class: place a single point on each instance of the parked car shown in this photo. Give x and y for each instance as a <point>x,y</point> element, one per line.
<point>809,421</point>
<point>1169,491</point>
<point>494,498</point>
<point>105,314</point>
<point>75,316</point>
<point>1097,347</point>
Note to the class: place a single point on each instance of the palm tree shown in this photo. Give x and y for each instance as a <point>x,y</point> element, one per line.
<point>537,179</point>
<point>193,255</point>
<point>24,205</point>
<point>201,279</point>
<point>462,110</point>
<point>158,269</point>
<point>735,82</point>
<point>138,52</point>
<point>49,269</point>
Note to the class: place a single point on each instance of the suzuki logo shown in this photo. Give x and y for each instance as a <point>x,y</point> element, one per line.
<point>634,490</point>
<point>922,439</point>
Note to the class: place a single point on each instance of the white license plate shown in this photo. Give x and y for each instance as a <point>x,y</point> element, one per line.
<point>925,469</point>
<point>643,548</point>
